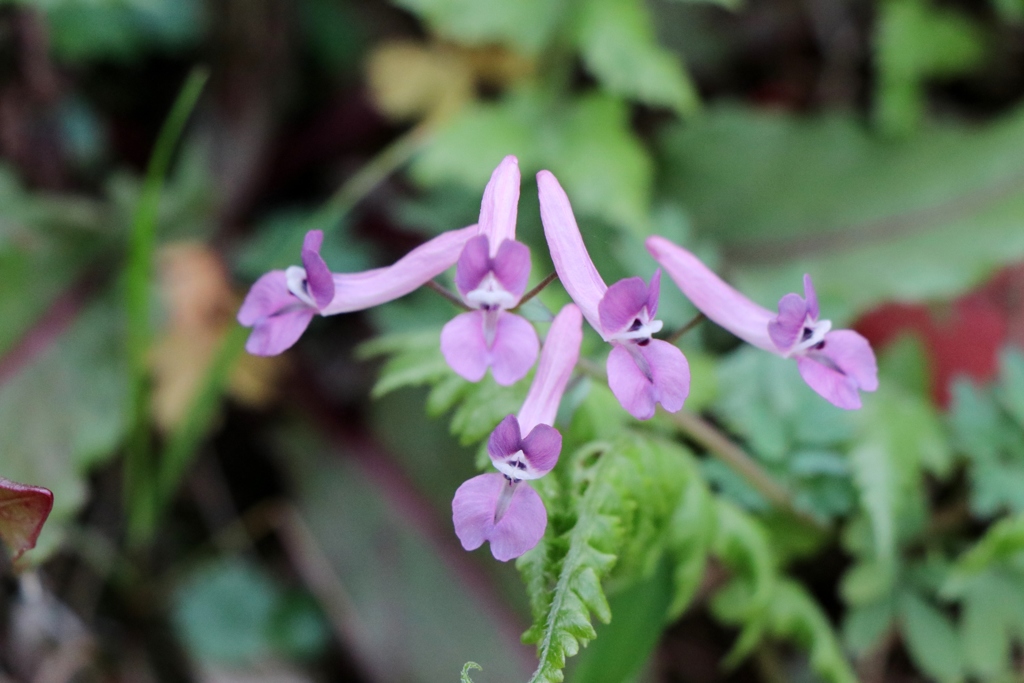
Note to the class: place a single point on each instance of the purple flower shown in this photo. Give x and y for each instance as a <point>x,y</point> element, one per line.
<point>835,363</point>
<point>500,508</point>
<point>642,371</point>
<point>280,304</point>
<point>491,276</point>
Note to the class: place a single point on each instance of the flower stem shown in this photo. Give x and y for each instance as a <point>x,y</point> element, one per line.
<point>718,444</point>
<point>443,291</point>
<point>696,320</point>
<point>538,289</point>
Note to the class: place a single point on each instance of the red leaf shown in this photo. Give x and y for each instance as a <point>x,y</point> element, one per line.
<point>23,509</point>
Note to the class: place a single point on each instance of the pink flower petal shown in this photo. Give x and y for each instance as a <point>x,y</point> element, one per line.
<point>277,317</point>
<point>785,329</point>
<point>839,369</point>
<point>541,449</point>
<point>514,351</point>
<point>505,440</point>
<point>642,376</point>
<point>357,291</point>
<point>572,262</point>
<point>500,203</point>
<point>464,347</point>
<point>519,529</point>
<point>713,297</point>
<point>557,360</point>
<point>810,297</point>
<point>277,333</point>
<point>267,296</point>
<point>512,266</point>
<point>622,304</point>
<point>318,276</point>
<point>23,510</point>
<point>473,265</point>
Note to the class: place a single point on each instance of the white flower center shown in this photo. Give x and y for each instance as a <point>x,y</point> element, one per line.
<point>639,330</point>
<point>811,335</point>
<point>298,284</point>
<point>515,467</point>
<point>490,294</point>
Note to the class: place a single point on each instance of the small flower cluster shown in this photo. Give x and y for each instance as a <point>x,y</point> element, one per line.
<point>492,271</point>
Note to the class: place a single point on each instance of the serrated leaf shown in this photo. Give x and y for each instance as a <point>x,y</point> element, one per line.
<point>692,531</point>
<point>931,639</point>
<point>901,436</point>
<point>617,41</point>
<point>23,510</point>
<point>414,359</point>
<point>611,484</point>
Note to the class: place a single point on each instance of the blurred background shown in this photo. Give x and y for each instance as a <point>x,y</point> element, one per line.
<point>221,517</point>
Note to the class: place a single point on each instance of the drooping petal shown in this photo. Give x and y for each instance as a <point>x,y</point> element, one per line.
<point>642,376</point>
<point>810,297</point>
<point>278,317</point>
<point>842,367</point>
<point>541,449</point>
<point>512,266</point>
<point>500,203</point>
<point>521,527</point>
<point>557,359</point>
<point>356,291</point>
<point>518,530</point>
<point>572,262</point>
<point>268,295</point>
<point>713,297</point>
<point>464,347</point>
<point>785,329</point>
<point>318,275</point>
<point>277,333</point>
<point>505,440</point>
<point>621,305</point>
<point>514,350</point>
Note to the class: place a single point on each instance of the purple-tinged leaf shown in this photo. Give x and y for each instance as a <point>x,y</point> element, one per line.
<point>23,510</point>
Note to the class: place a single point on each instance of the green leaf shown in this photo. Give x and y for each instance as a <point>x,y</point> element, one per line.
<point>414,359</point>
<point>624,644</point>
<point>866,625</point>
<point>931,639</point>
<point>464,678</point>
<point>48,439</point>
<point>901,436</point>
<point>870,219</point>
<point>223,612</point>
<point>607,524</point>
<point>587,142</point>
<point>1002,542</point>
<point>795,616</point>
<point>917,41</point>
<point>1011,383</point>
<point>691,534</point>
<point>616,38</point>
<point>525,24</point>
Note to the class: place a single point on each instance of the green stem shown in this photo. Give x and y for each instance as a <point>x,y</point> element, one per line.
<point>718,444</point>
<point>139,481</point>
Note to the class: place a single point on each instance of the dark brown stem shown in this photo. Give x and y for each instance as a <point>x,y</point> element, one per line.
<point>538,289</point>
<point>696,320</point>
<point>443,291</point>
